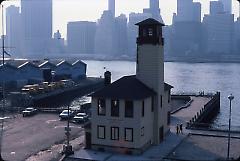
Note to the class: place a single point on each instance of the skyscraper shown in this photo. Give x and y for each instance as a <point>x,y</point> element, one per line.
<point>81,37</point>
<point>187,10</point>
<point>36,17</point>
<point>227,4</point>
<point>216,7</point>
<point>154,4</point>
<point>219,29</point>
<point>13,31</point>
<point>154,10</point>
<point>111,6</point>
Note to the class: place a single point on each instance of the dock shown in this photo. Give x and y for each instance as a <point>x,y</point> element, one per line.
<point>58,96</point>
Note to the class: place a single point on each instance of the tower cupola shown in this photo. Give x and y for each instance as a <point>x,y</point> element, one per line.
<point>150,32</point>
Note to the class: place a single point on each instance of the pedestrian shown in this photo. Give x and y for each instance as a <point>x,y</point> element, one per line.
<point>177,128</point>
<point>181,128</point>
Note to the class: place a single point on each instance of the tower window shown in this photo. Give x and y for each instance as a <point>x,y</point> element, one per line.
<point>150,32</point>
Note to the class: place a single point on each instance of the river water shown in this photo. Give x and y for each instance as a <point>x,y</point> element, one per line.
<point>188,77</point>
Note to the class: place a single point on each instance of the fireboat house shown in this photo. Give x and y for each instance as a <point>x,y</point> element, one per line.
<point>133,113</point>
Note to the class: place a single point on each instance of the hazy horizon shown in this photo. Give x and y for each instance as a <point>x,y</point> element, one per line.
<point>81,10</point>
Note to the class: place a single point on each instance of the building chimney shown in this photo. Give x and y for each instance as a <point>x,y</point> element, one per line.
<point>107,78</point>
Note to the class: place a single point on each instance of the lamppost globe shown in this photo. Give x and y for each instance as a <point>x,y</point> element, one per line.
<point>231,97</point>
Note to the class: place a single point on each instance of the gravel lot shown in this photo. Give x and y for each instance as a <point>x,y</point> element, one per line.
<point>24,137</point>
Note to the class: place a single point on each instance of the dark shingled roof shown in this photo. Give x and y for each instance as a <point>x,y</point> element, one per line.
<point>167,87</point>
<point>128,87</point>
<point>149,21</point>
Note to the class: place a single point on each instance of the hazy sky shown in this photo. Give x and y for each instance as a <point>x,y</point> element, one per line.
<point>77,10</point>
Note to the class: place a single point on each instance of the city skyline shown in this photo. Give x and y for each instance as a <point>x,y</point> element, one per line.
<point>64,12</point>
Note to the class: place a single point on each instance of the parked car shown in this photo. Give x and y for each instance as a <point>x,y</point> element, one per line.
<point>80,118</point>
<point>29,111</point>
<point>64,115</point>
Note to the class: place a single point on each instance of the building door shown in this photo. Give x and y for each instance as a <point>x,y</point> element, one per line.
<point>160,134</point>
<point>88,140</point>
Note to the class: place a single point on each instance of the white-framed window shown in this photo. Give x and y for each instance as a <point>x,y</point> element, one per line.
<point>101,132</point>
<point>114,133</point>
<point>129,134</point>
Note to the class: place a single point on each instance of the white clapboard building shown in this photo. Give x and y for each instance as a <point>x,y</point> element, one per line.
<point>133,113</point>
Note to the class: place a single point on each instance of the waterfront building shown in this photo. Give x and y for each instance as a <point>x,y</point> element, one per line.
<point>13,31</point>
<point>30,72</point>
<point>80,37</point>
<point>79,70</point>
<point>18,73</point>
<point>36,18</point>
<point>45,65</point>
<point>133,113</point>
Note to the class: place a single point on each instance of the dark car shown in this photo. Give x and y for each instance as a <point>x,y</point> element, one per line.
<point>80,118</point>
<point>64,115</point>
<point>29,111</point>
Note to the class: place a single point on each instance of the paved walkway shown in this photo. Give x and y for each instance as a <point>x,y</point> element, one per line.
<point>185,114</point>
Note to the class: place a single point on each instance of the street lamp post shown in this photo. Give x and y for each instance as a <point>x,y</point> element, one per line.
<point>230,97</point>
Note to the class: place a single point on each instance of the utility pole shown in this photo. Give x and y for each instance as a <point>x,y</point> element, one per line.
<point>3,85</point>
<point>68,148</point>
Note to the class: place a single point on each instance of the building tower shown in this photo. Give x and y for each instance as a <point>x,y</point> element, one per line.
<point>111,6</point>
<point>150,70</point>
<point>227,6</point>
<point>36,18</point>
<point>13,32</point>
<point>154,10</point>
<point>154,4</point>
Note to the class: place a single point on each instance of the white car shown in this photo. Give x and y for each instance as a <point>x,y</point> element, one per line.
<point>65,115</point>
<point>29,111</point>
<point>80,118</point>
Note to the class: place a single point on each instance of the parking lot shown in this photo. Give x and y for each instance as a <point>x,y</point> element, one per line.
<point>25,136</point>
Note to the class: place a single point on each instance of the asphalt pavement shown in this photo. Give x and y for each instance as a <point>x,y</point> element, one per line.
<point>26,136</point>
